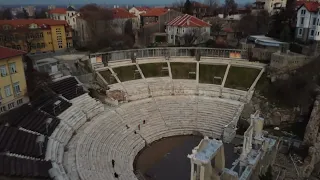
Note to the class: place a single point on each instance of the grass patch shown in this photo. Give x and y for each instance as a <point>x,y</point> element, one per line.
<point>241,78</point>
<point>127,73</point>
<point>154,70</point>
<point>182,70</point>
<point>208,73</point>
<point>107,75</point>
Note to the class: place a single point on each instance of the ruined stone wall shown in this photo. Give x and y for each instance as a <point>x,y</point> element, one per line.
<point>312,139</point>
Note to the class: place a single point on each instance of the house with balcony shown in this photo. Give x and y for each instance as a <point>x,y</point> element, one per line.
<point>308,22</point>
<point>182,25</point>
<point>13,86</point>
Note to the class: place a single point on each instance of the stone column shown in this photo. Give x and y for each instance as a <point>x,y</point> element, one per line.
<point>202,171</point>
<point>192,170</point>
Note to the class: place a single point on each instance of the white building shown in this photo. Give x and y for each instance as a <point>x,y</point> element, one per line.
<point>273,5</point>
<point>185,24</point>
<point>67,14</point>
<point>308,22</point>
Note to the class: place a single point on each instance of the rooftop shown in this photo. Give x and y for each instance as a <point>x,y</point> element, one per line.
<point>120,13</point>
<point>17,23</point>
<point>311,6</point>
<point>142,8</point>
<point>265,41</point>
<point>8,52</point>
<point>188,21</point>
<point>58,11</point>
<point>155,12</point>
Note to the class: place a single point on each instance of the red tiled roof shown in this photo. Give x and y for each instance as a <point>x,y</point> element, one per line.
<point>8,52</point>
<point>142,8</point>
<point>19,23</point>
<point>120,13</point>
<point>58,11</point>
<point>311,6</point>
<point>188,21</point>
<point>155,12</point>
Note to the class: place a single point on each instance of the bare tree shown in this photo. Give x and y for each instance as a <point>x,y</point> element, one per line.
<point>230,6</point>
<point>178,4</point>
<point>216,26</point>
<point>19,35</point>
<point>194,36</point>
<point>213,7</point>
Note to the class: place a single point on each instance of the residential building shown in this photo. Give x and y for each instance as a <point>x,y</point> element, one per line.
<point>34,35</point>
<point>308,25</point>
<point>68,14</point>
<point>271,6</point>
<point>182,25</point>
<point>13,86</point>
<point>137,11</point>
<point>153,24</point>
<point>120,18</point>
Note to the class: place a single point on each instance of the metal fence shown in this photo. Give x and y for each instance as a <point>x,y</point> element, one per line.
<point>171,52</point>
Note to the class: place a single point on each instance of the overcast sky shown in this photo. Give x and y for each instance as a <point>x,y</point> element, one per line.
<point>129,2</point>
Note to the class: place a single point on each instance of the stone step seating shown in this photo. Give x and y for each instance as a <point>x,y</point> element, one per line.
<point>233,94</point>
<point>88,105</point>
<point>117,144</point>
<point>160,86</point>
<point>136,89</point>
<point>69,159</point>
<point>120,133</point>
<point>184,86</point>
<point>62,133</point>
<point>210,90</point>
<point>73,116</point>
<point>136,112</point>
<point>55,151</point>
<point>178,111</point>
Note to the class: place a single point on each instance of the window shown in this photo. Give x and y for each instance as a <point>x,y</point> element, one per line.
<point>314,21</point>
<point>302,21</point>
<point>3,71</point>
<point>41,34</point>
<point>60,47</point>
<point>7,90</point>
<point>300,32</point>
<point>20,101</point>
<point>171,36</point>
<point>12,67</point>
<point>0,95</point>
<point>16,88</point>
<point>2,109</point>
<point>10,106</point>
<point>318,33</point>
<point>303,12</point>
<point>312,32</point>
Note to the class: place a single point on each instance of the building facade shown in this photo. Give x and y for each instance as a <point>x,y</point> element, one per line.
<point>308,22</point>
<point>34,35</point>
<point>271,6</point>
<point>68,14</point>
<point>13,86</point>
<point>182,25</point>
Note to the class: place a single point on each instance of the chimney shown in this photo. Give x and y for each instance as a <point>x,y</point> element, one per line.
<point>188,22</point>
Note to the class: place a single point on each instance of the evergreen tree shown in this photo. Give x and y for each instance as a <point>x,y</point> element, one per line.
<point>285,34</point>
<point>7,14</point>
<point>23,14</point>
<point>188,8</point>
<point>267,175</point>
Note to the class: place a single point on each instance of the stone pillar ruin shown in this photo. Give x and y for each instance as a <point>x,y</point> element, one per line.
<point>207,151</point>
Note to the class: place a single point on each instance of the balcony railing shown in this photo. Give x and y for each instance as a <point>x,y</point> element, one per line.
<point>171,52</point>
